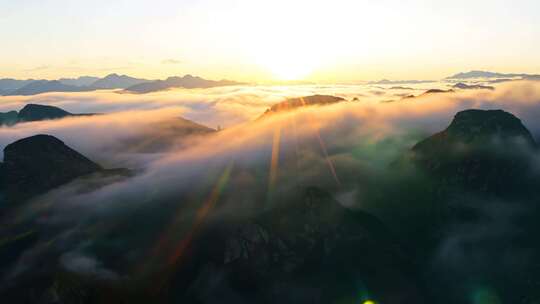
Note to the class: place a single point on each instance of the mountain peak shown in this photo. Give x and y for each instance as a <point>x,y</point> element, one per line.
<point>481,150</point>
<point>298,102</point>
<point>36,164</point>
<point>471,125</point>
<point>34,112</point>
<point>115,81</point>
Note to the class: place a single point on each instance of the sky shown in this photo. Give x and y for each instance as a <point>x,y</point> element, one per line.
<point>258,40</point>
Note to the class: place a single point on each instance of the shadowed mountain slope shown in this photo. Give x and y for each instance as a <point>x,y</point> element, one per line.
<point>480,150</point>
<point>37,164</point>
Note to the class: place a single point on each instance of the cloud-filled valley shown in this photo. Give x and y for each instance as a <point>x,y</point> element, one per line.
<point>349,149</point>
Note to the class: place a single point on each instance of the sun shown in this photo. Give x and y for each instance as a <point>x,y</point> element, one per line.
<point>289,68</point>
<point>287,61</point>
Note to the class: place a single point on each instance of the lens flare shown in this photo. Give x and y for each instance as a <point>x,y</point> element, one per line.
<point>274,162</point>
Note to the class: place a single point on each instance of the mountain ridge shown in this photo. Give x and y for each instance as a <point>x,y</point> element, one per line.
<point>187,82</point>
<point>488,74</point>
<point>14,87</point>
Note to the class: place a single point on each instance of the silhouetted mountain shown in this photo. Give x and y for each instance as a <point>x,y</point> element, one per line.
<point>304,243</point>
<point>82,81</point>
<point>464,86</point>
<point>45,86</point>
<point>37,164</point>
<point>187,82</point>
<point>479,151</point>
<point>34,112</point>
<point>115,81</point>
<point>436,91</point>
<point>294,103</point>
<point>478,181</point>
<point>485,74</point>
<point>400,88</point>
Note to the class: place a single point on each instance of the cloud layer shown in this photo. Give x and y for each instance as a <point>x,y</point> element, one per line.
<point>341,148</point>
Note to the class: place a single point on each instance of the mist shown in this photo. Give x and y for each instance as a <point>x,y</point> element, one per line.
<point>346,149</point>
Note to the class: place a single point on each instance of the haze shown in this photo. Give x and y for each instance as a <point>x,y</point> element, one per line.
<point>324,41</point>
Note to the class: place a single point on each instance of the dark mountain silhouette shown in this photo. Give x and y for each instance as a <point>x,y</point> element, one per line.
<point>37,164</point>
<point>478,182</point>
<point>187,82</point>
<point>436,91</point>
<point>486,74</point>
<point>464,86</point>
<point>115,81</point>
<point>45,86</point>
<point>304,243</point>
<point>400,88</point>
<point>410,96</point>
<point>294,103</point>
<point>82,81</point>
<point>35,112</point>
<point>479,151</point>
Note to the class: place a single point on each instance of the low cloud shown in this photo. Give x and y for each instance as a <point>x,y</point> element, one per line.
<point>341,148</point>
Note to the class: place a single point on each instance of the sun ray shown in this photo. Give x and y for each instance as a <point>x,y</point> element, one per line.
<point>274,162</point>
<point>174,258</point>
<point>325,151</point>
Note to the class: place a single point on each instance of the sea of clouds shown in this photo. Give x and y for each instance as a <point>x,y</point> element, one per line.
<point>341,148</point>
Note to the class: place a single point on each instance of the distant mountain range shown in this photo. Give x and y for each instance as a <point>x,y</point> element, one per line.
<point>187,82</point>
<point>14,87</point>
<point>497,77</point>
<point>115,81</point>
<point>8,84</point>
<point>44,86</point>
<point>486,74</point>
<point>80,81</point>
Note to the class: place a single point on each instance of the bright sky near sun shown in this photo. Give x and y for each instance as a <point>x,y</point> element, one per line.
<point>259,40</point>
